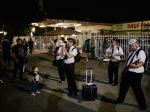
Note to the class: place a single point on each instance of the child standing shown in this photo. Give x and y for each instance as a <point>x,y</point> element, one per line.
<point>35,80</point>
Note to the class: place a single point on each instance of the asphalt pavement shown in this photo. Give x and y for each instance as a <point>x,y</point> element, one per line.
<point>16,97</point>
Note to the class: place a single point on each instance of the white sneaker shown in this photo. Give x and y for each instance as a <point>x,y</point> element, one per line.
<point>37,91</point>
<point>33,94</point>
<point>1,81</point>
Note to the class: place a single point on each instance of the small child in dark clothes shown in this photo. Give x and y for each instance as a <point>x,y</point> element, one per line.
<point>35,80</point>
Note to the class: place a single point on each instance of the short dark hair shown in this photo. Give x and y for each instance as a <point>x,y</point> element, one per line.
<point>63,39</point>
<point>115,39</point>
<point>18,39</point>
<point>72,40</point>
<point>33,67</point>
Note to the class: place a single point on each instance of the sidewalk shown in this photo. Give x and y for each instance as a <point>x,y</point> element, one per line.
<point>15,97</point>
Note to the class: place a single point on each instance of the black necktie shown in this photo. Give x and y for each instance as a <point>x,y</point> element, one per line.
<point>68,49</point>
<point>68,52</point>
<point>112,49</point>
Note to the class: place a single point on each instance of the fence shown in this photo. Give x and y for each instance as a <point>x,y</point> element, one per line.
<point>144,41</point>
<point>46,43</point>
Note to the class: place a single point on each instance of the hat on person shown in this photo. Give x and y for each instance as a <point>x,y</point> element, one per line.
<point>115,39</point>
<point>132,41</point>
<point>71,40</point>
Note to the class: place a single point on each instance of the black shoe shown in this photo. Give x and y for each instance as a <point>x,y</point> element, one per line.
<point>109,83</point>
<point>70,94</point>
<point>114,85</point>
<point>75,94</point>
<point>118,102</point>
<point>143,107</point>
<point>61,82</point>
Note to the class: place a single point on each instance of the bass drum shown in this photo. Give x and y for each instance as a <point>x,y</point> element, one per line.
<point>114,62</point>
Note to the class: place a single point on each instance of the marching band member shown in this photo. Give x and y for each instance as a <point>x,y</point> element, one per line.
<point>134,75</point>
<point>114,52</point>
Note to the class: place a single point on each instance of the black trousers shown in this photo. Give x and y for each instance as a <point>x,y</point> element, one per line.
<point>134,80</point>
<point>30,49</point>
<point>61,70</point>
<point>69,71</point>
<point>113,71</point>
<point>16,67</point>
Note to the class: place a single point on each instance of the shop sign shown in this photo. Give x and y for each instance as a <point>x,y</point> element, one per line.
<point>135,25</point>
<point>119,27</point>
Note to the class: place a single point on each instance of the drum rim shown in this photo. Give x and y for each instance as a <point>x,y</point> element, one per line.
<point>106,59</point>
<point>114,60</point>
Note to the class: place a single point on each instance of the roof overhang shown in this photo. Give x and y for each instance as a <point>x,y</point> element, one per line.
<point>66,23</point>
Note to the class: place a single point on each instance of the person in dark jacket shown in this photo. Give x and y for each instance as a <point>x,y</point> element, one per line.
<point>30,43</point>
<point>6,47</point>
<point>19,53</point>
<point>87,48</point>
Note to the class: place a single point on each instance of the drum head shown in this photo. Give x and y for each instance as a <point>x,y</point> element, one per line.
<point>106,59</point>
<point>114,60</point>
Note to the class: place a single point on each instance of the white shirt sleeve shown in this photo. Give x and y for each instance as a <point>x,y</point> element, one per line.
<point>74,52</point>
<point>142,56</point>
<point>121,50</point>
<point>108,50</point>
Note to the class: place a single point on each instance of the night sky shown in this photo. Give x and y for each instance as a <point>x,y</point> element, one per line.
<point>109,11</point>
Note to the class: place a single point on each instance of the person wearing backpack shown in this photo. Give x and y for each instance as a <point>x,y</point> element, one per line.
<point>19,53</point>
<point>69,64</point>
<point>87,48</point>
<point>134,75</point>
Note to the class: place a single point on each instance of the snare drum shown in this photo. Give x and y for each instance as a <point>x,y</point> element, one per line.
<point>106,59</point>
<point>114,62</point>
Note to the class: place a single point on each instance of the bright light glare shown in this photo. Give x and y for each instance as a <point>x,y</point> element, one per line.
<point>51,25</point>
<point>78,30</point>
<point>59,24</point>
<point>41,26</point>
<point>33,29</point>
<point>77,25</point>
<point>34,24</point>
<point>65,26</point>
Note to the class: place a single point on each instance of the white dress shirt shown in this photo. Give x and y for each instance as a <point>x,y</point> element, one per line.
<point>142,58</point>
<point>60,51</point>
<point>109,50</point>
<point>74,53</point>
